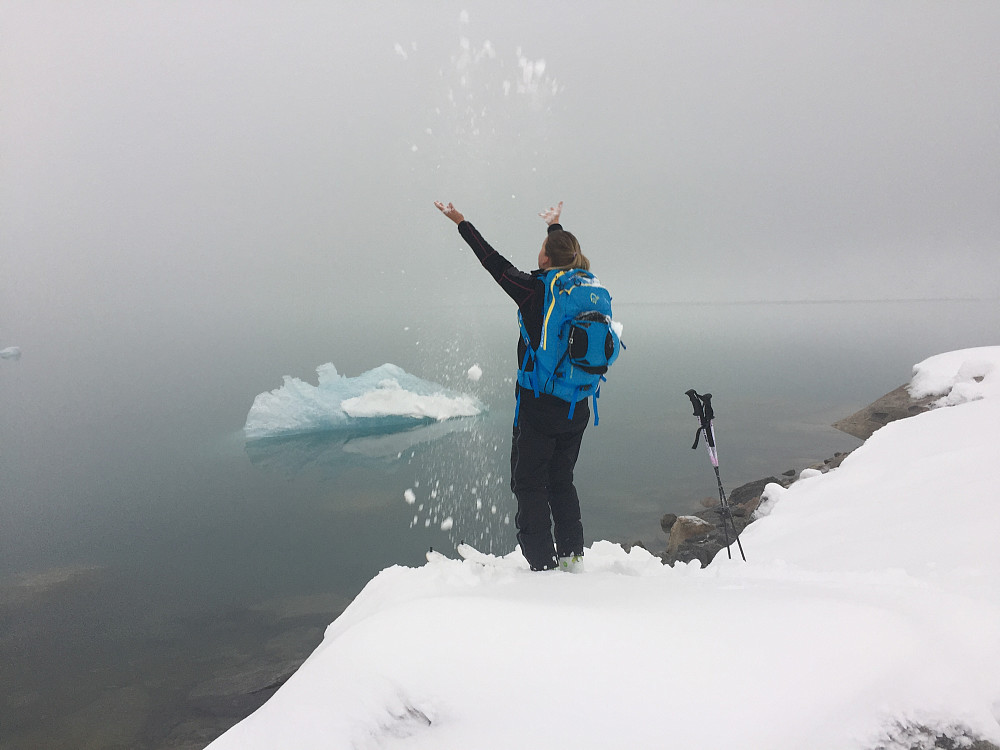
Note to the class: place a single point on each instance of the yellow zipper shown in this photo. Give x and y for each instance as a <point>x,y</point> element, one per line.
<point>552,304</point>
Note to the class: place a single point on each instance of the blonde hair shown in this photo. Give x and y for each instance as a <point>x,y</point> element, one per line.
<point>563,251</point>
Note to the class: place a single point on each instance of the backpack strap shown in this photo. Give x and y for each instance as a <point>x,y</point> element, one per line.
<point>572,403</point>
<point>597,395</point>
<point>522,373</point>
<point>529,356</point>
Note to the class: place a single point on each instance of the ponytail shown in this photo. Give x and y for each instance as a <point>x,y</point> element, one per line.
<point>563,250</point>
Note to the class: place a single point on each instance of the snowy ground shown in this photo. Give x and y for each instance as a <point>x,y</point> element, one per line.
<point>869,609</point>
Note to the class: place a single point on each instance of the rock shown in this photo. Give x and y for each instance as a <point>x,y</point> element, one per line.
<point>687,528</point>
<point>749,491</point>
<point>628,546</point>
<point>950,737</point>
<point>701,537</point>
<point>709,502</point>
<point>691,552</point>
<point>837,460</point>
<point>750,506</point>
<point>789,473</point>
<point>894,405</point>
<point>668,521</point>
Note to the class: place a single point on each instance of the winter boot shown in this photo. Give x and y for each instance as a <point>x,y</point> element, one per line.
<point>572,564</point>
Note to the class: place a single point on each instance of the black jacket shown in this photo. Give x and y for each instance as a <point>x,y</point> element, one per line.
<point>528,292</point>
<point>526,289</point>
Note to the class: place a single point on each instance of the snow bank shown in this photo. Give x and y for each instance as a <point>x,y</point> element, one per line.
<point>870,607</point>
<point>965,375</point>
<point>380,400</point>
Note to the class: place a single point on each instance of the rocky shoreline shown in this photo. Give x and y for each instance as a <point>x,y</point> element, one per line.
<point>699,536</point>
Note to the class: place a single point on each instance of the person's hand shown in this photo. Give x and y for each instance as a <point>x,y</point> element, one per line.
<point>450,211</point>
<point>552,215</point>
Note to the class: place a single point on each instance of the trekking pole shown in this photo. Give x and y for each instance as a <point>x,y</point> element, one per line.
<point>703,410</point>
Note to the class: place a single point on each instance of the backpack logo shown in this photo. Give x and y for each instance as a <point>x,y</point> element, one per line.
<point>579,340</point>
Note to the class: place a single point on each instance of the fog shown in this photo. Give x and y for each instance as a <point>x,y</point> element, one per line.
<point>175,169</point>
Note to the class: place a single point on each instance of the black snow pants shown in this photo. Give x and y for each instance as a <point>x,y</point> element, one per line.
<point>544,449</point>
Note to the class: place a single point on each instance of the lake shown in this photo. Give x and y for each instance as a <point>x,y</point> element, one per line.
<point>146,548</point>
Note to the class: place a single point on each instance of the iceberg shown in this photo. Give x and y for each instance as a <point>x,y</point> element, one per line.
<point>10,352</point>
<point>385,399</point>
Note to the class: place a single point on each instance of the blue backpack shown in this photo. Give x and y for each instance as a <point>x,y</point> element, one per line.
<point>578,342</point>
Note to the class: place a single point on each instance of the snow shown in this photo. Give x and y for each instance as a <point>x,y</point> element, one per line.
<point>384,399</point>
<point>869,612</point>
<point>960,376</point>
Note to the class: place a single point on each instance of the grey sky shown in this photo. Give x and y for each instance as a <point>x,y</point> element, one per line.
<point>227,163</point>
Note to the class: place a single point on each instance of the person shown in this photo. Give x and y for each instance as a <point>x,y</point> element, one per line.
<point>546,435</point>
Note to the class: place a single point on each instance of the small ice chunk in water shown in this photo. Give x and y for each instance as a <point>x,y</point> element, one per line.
<point>409,497</point>
<point>447,523</point>
<point>474,373</point>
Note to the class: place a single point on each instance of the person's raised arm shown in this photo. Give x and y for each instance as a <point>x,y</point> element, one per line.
<point>551,216</point>
<point>518,285</point>
<point>450,211</point>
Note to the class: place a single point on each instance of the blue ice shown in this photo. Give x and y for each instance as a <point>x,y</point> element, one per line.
<point>385,399</point>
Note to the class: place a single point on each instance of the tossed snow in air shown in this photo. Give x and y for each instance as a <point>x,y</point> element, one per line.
<point>384,399</point>
<point>868,616</point>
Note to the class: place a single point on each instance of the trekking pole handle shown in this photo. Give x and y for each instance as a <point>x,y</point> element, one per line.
<point>702,404</point>
<point>706,399</point>
<point>699,411</point>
